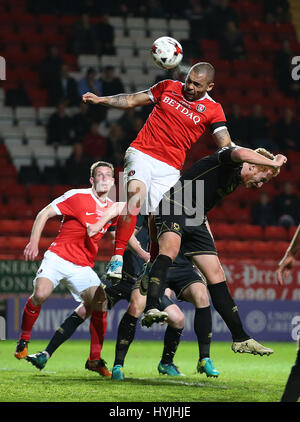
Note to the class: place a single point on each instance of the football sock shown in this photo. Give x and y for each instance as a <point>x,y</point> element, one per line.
<point>292,389</point>
<point>226,307</point>
<point>203,330</point>
<point>98,325</point>
<point>126,333</point>
<point>125,227</point>
<point>64,332</point>
<point>171,341</point>
<point>157,277</point>
<point>30,315</point>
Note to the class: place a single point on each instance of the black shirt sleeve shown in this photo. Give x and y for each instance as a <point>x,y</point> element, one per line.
<point>224,156</point>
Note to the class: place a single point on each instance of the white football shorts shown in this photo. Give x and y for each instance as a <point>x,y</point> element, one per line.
<point>75,277</point>
<point>158,176</point>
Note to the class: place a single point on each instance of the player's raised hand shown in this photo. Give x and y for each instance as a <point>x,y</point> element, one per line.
<point>285,266</point>
<point>91,98</point>
<point>31,251</point>
<point>280,159</point>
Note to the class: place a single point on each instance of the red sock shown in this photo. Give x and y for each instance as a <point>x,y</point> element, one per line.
<point>98,325</point>
<point>154,250</point>
<point>125,227</point>
<point>30,315</point>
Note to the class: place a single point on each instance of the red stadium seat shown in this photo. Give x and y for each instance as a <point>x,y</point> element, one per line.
<point>58,190</point>
<point>217,215</point>
<point>239,215</point>
<point>36,191</point>
<point>15,190</point>
<point>222,231</point>
<point>5,211</point>
<point>27,226</point>
<point>24,211</point>
<point>248,232</point>
<point>17,243</point>
<point>275,233</point>
<point>10,227</point>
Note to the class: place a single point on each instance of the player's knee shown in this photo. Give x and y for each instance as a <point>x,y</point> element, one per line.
<point>177,321</point>
<point>39,296</point>
<point>136,308</point>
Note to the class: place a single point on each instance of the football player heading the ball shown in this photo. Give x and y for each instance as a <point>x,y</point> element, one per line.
<point>182,113</point>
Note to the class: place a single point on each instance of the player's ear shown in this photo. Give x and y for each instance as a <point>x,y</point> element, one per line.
<point>91,180</point>
<point>210,86</point>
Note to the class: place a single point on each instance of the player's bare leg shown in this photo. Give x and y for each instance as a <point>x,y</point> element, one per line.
<point>42,290</point>
<point>224,304</point>
<point>136,194</point>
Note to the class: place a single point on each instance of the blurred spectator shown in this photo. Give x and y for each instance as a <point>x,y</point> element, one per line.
<point>119,143</point>
<point>111,84</point>
<point>89,83</point>
<point>218,18</point>
<point>283,70</point>
<point>50,68</point>
<point>286,206</point>
<point>17,96</point>
<point>85,39</point>
<point>277,11</point>
<point>262,211</point>
<point>232,42</point>
<point>258,129</point>
<point>95,145</point>
<point>63,89</point>
<point>106,35</point>
<point>287,131</point>
<point>237,125</point>
<point>59,127</point>
<point>76,168</point>
<point>81,122</point>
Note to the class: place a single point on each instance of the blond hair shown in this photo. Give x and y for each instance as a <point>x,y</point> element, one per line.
<point>100,164</point>
<point>270,156</point>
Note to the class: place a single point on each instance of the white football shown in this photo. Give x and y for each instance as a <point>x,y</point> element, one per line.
<point>166,52</point>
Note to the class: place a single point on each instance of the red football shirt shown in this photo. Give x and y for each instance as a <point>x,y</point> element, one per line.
<point>175,123</point>
<point>79,207</point>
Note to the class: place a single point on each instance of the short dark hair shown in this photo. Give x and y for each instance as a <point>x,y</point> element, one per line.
<point>101,164</point>
<point>204,67</point>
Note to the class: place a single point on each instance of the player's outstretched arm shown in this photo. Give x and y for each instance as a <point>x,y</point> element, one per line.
<point>122,101</point>
<point>116,209</point>
<point>241,155</point>
<point>288,261</point>
<point>31,250</point>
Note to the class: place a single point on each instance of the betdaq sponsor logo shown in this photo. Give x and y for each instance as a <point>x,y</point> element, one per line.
<point>182,109</point>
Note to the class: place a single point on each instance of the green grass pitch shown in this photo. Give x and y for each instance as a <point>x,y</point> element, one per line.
<point>243,378</point>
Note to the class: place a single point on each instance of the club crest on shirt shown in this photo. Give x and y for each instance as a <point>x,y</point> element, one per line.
<point>131,173</point>
<point>201,108</point>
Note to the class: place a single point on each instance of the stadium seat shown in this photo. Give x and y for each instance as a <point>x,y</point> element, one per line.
<point>25,116</point>
<point>10,227</point>
<point>248,231</point>
<point>275,233</point>
<point>24,211</point>
<point>17,243</point>
<point>5,211</point>
<point>58,190</point>
<point>222,231</point>
<point>37,191</point>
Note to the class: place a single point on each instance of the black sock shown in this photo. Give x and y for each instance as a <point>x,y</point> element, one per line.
<point>171,341</point>
<point>292,389</point>
<point>65,331</point>
<point>203,330</point>
<point>225,306</point>
<point>157,280</point>
<point>126,333</point>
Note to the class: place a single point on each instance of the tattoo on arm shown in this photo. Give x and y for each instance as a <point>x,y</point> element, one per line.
<point>223,138</point>
<point>119,101</point>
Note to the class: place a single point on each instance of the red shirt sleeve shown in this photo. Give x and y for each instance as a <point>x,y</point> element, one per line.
<point>157,89</point>
<point>67,205</point>
<point>218,114</point>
